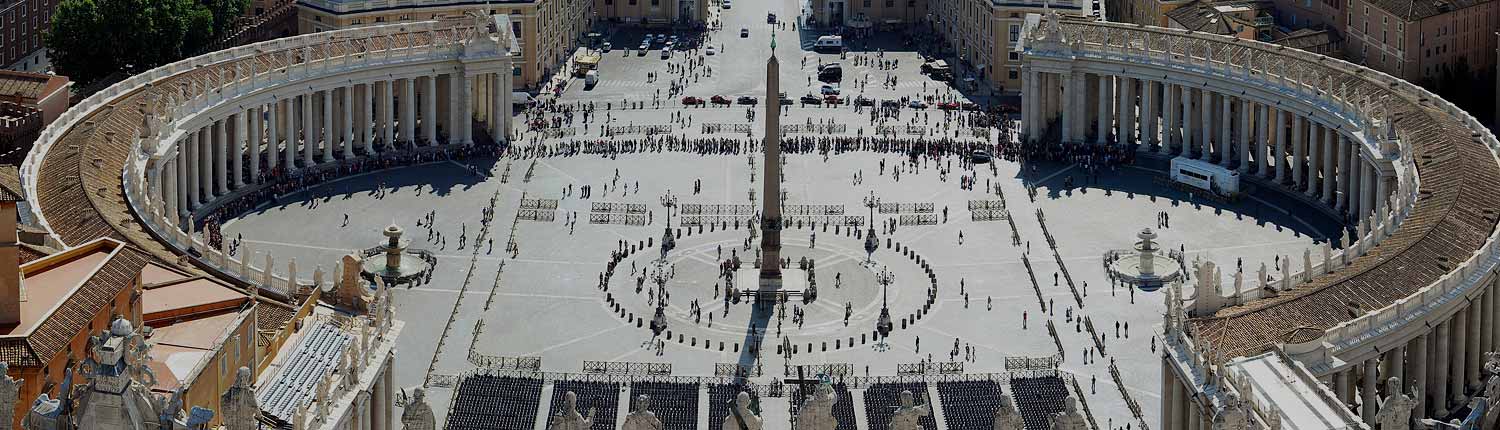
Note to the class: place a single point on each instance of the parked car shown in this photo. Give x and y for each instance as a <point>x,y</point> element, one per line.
<point>744,32</point>
<point>785,100</point>
<point>864,101</point>
<point>917,104</point>
<point>948,106</point>
<point>745,100</point>
<point>666,53</point>
<point>607,46</point>
<point>890,103</point>
<point>970,106</point>
<point>979,157</point>
<point>719,100</point>
<point>811,100</point>
<point>691,101</point>
<point>727,4</point>
<point>711,50</point>
<point>832,99</point>
<point>828,89</point>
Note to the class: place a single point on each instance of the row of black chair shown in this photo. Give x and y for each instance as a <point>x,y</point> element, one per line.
<point>604,397</point>
<point>969,405</point>
<point>495,402</point>
<point>881,401</point>
<point>721,398</point>
<point>1038,399</point>
<point>675,404</point>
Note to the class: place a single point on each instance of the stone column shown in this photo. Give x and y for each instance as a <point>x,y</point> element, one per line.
<point>1106,98</point>
<point>237,150</point>
<point>183,170</point>
<point>221,152</point>
<point>1067,111</point>
<point>466,127</point>
<point>507,112</point>
<point>1149,127</point>
<point>1263,141</point>
<point>256,121</point>
<point>1381,190</point>
<point>1330,173</point>
<point>1169,394</point>
<point>289,120</point>
<point>309,129</point>
<point>1341,173</point>
<point>348,118</point>
<point>1475,359</point>
<point>1366,185</point>
<point>1205,127</point>
<point>1459,351</point>
<point>1246,108</point>
<point>429,110</point>
<point>1395,364</point>
<point>499,100</point>
<point>388,114</point>
<point>205,187</point>
<point>272,133</point>
<point>367,108</point>
<point>1189,122</point>
<point>330,127</point>
<point>1367,397</point>
<point>408,119</point>
<point>1279,154</point>
<point>1299,141</point>
<point>1125,124</point>
<point>1314,132</point>
<point>457,122</point>
<point>1416,370</point>
<point>170,179</point>
<point>390,390</point>
<point>1169,107</point>
<point>1439,386</point>
<point>1226,119</point>
<point>1487,320</point>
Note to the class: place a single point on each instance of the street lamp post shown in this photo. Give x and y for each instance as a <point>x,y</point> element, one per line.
<point>871,243</point>
<point>660,276</point>
<point>668,241</point>
<point>884,325</point>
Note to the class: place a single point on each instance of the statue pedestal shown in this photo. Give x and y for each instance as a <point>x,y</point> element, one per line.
<point>793,283</point>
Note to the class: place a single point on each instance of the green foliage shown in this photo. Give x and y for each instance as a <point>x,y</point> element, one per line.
<point>91,39</point>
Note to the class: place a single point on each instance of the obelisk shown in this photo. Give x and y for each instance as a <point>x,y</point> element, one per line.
<point>770,224</point>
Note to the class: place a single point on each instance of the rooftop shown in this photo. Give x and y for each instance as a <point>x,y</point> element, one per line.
<point>26,87</point>
<point>1413,10</point>
<point>1222,17</point>
<point>61,293</point>
<point>1290,389</point>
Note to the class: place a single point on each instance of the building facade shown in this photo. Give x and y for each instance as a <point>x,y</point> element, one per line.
<point>993,55</point>
<point>547,31</point>
<point>653,12</point>
<point>1419,39</point>
<point>22,24</point>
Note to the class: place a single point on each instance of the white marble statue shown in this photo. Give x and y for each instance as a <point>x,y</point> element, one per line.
<point>1395,410</point>
<point>641,418</point>
<point>417,415</point>
<point>907,415</point>
<point>741,417</point>
<point>569,418</point>
<point>238,405</point>
<point>1232,416</point>
<point>816,412</point>
<point>1070,418</point>
<point>1007,417</point>
<point>9,391</point>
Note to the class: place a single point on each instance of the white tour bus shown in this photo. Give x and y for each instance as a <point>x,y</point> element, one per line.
<point>1206,176</point>
<point>829,44</point>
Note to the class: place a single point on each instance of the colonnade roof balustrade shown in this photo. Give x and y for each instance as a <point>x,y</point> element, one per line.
<point>1449,230</point>
<point>75,175</point>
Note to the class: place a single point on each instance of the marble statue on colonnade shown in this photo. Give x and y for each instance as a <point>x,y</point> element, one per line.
<point>1232,416</point>
<point>640,418</point>
<point>816,412</point>
<point>1007,417</point>
<point>569,418</point>
<point>1070,418</point>
<point>417,415</point>
<point>238,404</point>
<point>907,415</point>
<point>741,417</point>
<point>1395,410</point>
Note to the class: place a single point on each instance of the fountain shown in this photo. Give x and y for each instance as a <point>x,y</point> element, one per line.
<point>1138,266</point>
<point>401,264</point>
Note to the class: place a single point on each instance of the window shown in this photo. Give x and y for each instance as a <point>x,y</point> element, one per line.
<point>867,3</point>
<point>1015,56</point>
<point>1014,75</point>
<point>1015,33</point>
<point>890,3</point>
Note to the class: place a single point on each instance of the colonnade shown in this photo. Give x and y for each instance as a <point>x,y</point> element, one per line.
<point>230,151</point>
<point>1445,362</point>
<point>1274,142</point>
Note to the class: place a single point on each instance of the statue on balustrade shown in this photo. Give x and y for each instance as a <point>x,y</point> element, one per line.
<point>569,418</point>
<point>1395,410</point>
<point>417,415</point>
<point>640,418</point>
<point>1070,418</point>
<point>238,403</point>
<point>907,415</point>
<point>1007,417</point>
<point>741,417</point>
<point>1232,416</point>
<point>817,410</point>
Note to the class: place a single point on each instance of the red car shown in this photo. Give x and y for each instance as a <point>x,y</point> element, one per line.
<point>719,100</point>
<point>948,106</point>
<point>831,99</point>
<point>690,101</point>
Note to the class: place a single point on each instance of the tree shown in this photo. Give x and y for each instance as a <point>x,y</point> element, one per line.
<point>91,39</point>
<point>224,14</point>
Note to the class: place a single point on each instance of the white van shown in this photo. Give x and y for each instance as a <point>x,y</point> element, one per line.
<point>665,53</point>
<point>829,43</point>
<point>590,79</point>
<point>1206,176</point>
<point>520,98</point>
